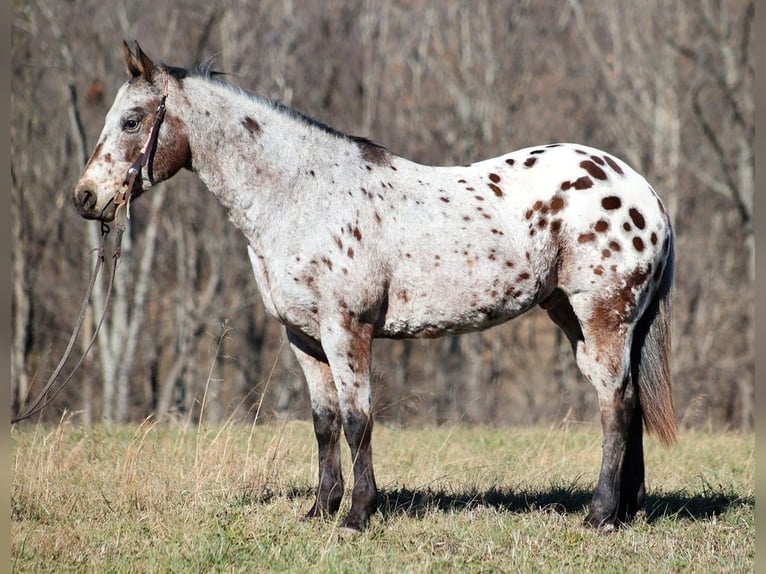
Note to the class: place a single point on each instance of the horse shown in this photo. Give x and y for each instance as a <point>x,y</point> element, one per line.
<point>350,242</point>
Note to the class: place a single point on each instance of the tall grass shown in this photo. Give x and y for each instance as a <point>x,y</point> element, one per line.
<point>229,498</point>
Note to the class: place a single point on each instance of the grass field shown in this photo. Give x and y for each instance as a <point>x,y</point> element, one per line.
<point>167,498</point>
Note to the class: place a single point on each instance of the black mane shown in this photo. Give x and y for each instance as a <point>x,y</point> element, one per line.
<point>205,70</point>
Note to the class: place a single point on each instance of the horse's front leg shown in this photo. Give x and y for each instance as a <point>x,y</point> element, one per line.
<point>327,424</point>
<point>347,342</point>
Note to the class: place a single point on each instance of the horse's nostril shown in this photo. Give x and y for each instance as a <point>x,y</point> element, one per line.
<point>85,199</point>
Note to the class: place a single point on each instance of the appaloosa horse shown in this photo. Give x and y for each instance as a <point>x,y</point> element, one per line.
<point>350,242</point>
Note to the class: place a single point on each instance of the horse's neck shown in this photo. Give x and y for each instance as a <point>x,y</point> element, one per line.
<point>251,156</point>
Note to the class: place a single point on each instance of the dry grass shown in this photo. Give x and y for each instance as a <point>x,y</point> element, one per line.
<point>168,498</point>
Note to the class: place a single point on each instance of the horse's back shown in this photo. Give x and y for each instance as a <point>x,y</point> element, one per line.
<point>501,234</point>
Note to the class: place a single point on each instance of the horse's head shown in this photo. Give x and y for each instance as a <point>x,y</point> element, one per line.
<point>137,146</point>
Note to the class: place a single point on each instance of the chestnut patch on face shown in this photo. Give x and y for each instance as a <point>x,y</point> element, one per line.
<point>173,151</point>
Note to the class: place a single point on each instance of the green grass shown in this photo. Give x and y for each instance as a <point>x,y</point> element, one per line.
<point>168,498</point>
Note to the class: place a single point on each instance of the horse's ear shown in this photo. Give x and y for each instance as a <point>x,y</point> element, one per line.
<point>138,64</point>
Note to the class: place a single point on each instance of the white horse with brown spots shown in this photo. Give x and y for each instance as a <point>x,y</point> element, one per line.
<point>349,242</point>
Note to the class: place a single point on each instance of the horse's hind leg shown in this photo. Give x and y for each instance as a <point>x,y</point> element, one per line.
<point>327,424</point>
<point>603,356</point>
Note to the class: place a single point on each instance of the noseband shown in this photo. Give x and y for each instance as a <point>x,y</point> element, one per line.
<point>145,157</point>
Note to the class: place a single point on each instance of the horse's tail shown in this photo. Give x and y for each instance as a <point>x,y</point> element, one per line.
<point>650,358</point>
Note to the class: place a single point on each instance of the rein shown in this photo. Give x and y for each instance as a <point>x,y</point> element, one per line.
<point>42,401</point>
<point>144,159</point>
<point>122,197</point>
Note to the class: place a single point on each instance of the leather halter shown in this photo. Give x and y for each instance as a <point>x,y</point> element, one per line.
<point>145,156</point>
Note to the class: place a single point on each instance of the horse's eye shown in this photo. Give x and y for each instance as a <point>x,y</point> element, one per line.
<point>130,125</point>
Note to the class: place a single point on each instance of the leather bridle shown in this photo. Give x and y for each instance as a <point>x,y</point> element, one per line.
<point>145,157</point>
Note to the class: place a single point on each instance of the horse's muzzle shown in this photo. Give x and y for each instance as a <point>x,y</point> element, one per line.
<point>85,199</point>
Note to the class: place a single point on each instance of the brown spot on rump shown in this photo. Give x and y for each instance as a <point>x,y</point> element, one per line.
<point>555,226</point>
<point>496,190</point>
<point>638,243</point>
<point>510,161</point>
<point>606,253</point>
<point>445,199</point>
<point>494,177</point>
<point>598,270</point>
<point>508,263</point>
<point>377,217</point>
<point>402,296</point>
<point>496,231</point>
<point>653,238</point>
<point>581,152</point>
<point>537,205</point>
<point>461,181</point>
<point>583,182</point>
<point>613,164</point>
<point>357,233</point>
<point>614,246</point>
<point>108,158</point>
<point>479,197</point>
<point>537,151</point>
<point>542,222</point>
<point>372,152</point>
<point>530,161</point>
<point>611,202</point>
<point>350,253</point>
<point>523,276</point>
<point>593,169</point>
<point>338,242</point>
<point>597,159</point>
<point>557,204</point>
<point>637,217</point>
<point>528,214</point>
<point>601,225</point>
<point>586,237</point>
<point>251,125</point>
<point>626,226</point>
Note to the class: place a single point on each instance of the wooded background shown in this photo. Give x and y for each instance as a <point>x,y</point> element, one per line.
<point>665,84</point>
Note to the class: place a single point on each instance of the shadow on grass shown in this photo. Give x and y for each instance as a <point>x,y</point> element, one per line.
<point>562,500</point>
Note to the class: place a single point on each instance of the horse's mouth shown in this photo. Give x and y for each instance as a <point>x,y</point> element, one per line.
<point>105,214</point>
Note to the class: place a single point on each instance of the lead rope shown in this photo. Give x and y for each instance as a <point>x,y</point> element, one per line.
<point>42,401</point>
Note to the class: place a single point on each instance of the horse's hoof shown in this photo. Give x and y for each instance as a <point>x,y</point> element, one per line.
<point>348,532</point>
<point>605,525</point>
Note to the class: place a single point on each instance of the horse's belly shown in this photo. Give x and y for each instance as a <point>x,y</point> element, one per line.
<point>436,308</point>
